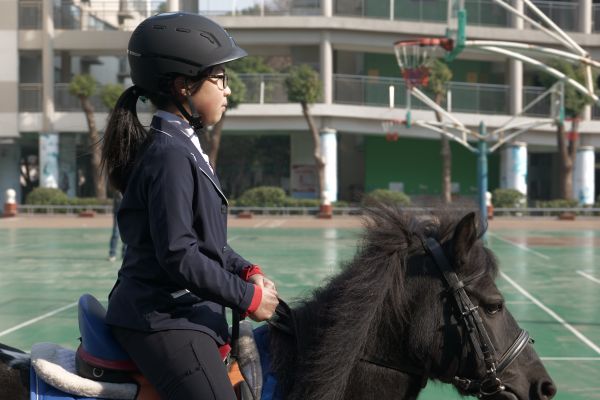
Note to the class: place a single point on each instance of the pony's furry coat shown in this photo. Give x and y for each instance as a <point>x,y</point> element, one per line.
<point>368,298</point>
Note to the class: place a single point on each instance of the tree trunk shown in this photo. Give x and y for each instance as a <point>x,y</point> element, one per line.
<point>567,149</point>
<point>98,176</point>
<point>319,160</point>
<point>446,154</point>
<point>215,142</point>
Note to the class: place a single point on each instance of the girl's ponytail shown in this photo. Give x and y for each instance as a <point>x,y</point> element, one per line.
<point>123,138</point>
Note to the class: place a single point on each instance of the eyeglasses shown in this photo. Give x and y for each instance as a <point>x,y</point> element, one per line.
<point>222,80</point>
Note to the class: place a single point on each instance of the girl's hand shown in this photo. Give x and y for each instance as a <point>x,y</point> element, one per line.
<point>268,303</point>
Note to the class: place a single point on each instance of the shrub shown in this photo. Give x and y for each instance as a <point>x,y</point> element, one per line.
<point>386,196</point>
<point>291,202</point>
<point>262,196</point>
<point>47,196</point>
<point>89,201</point>
<point>508,198</point>
<point>558,203</point>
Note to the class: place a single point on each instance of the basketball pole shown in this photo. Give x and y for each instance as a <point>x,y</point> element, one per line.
<point>482,173</point>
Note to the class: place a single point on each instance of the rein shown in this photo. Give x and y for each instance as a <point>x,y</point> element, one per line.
<point>490,384</point>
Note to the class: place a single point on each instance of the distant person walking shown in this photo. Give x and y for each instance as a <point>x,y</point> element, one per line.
<point>115,237</point>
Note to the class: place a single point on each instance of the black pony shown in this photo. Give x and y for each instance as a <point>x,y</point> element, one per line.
<point>389,322</point>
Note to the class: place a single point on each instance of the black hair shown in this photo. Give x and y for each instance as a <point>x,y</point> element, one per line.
<point>123,138</point>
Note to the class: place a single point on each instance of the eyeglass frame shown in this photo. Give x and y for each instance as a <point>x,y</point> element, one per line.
<point>224,78</point>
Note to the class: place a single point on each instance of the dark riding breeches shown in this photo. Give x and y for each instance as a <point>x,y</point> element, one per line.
<point>181,364</point>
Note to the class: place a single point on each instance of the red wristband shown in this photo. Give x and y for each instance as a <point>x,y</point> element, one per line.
<point>250,270</point>
<point>256,299</point>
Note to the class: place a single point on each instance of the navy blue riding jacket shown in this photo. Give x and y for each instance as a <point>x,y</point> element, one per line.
<point>178,271</point>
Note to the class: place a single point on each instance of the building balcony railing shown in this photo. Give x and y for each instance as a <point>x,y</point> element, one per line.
<point>125,15</point>
<point>265,88</point>
<point>476,98</point>
<point>30,97</point>
<point>596,112</point>
<point>260,8</point>
<point>99,15</point>
<point>374,91</point>
<point>541,108</point>
<point>479,12</point>
<point>562,13</point>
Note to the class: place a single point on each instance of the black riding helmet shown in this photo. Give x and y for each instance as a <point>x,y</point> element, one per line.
<point>177,43</point>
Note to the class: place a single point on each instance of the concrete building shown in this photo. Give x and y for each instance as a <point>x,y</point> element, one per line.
<point>349,42</point>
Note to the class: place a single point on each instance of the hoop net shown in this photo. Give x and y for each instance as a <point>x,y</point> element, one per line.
<point>416,56</point>
<point>391,128</point>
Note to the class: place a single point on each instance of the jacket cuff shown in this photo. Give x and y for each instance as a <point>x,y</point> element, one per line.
<point>256,299</point>
<point>250,270</point>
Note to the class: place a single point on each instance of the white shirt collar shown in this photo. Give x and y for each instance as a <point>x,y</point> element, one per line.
<point>176,120</point>
<point>186,129</point>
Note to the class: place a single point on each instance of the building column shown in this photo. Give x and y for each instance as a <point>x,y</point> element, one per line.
<point>513,167</point>
<point>327,8</point>
<point>48,66</point>
<point>67,164</point>
<point>327,68</point>
<point>515,68</point>
<point>585,25</point>
<point>585,16</point>
<point>48,150</point>
<point>584,176</point>
<point>9,104</point>
<point>329,153</point>
<point>516,86</point>
<point>172,5</point>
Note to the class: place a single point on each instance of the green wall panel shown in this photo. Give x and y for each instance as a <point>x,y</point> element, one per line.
<point>417,163</point>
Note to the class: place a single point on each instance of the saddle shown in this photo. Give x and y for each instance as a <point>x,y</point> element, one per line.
<point>100,368</point>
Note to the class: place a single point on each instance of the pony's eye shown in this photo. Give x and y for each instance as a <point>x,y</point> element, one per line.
<point>492,309</point>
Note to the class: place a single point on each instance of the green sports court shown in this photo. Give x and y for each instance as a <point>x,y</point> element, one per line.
<point>549,276</point>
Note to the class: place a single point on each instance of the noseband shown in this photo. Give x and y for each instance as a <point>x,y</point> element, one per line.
<point>490,384</point>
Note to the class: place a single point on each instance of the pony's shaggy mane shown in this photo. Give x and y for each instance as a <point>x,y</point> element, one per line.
<point>330,337</point>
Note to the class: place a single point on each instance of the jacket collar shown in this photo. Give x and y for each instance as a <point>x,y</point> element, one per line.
<point>164,127</point>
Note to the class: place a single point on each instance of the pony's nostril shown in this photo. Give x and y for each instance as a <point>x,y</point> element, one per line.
<point>547,390</point>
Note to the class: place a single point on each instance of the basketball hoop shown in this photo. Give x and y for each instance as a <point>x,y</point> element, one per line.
<point>416,56</point>
<point>391,128</point>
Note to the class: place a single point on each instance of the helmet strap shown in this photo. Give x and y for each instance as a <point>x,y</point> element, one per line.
<point>194,119</point>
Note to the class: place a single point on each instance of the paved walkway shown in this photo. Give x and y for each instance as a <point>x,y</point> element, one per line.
<point>286,221</point>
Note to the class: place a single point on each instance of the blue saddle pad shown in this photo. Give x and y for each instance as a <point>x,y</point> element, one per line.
<point>261,338</point>
<point>40,390</point>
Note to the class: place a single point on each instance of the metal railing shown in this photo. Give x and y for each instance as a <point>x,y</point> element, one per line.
<point>540,109</point>
<point>100,15</point>
<point>271,89</point>
<point>30,14</point>
<point>374,91</point>
<point>30,97</point>
<point>265,88</point>
<point>27,209</point>
<point>260,8</point>
<point>596,112</point>
<point>65,101</point>
<point>563,13</point>
<point>596,17</point>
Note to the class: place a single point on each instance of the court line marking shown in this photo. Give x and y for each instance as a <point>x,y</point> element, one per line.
<point>591,278</point>
<point>521,246</point>
<point>570,358</point>
<point>261,224</point>
<point>36,319</point>
<point>554,315</point>
<point>277,223</point>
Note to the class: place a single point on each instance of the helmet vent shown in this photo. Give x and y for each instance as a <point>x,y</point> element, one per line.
<point>159,26</point>
<point>185,30</point>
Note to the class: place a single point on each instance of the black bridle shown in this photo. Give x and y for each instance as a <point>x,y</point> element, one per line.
<point>490,384</point>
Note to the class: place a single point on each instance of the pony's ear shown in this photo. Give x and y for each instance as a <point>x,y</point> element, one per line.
<point>465,236</point>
